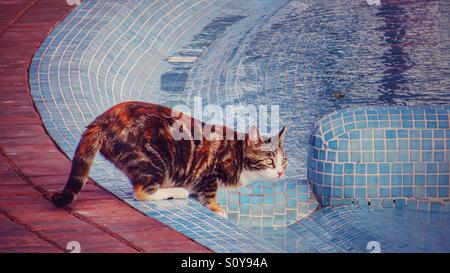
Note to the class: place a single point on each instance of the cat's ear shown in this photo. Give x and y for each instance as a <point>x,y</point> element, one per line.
<point>253,135</point>
<point>281,134</point>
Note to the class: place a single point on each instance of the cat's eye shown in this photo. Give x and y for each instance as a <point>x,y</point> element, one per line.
<point>268,161</point>
<point>284,161</point>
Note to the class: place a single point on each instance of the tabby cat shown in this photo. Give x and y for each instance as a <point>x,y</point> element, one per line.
<point>137,137</point>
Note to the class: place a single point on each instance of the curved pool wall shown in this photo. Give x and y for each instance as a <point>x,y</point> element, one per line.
<point>269,205</point>
<point>382,156</point>
<point>101,52</point>
<point>167,52</point>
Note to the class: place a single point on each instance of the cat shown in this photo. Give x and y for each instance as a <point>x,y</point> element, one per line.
<point>138,138</point>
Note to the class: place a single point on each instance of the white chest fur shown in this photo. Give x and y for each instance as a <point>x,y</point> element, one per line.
<point>248,177</point>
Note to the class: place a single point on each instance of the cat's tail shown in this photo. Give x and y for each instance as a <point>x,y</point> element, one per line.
<point>89,144</point>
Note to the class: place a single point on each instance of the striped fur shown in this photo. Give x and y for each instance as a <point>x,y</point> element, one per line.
<point>137,138</point>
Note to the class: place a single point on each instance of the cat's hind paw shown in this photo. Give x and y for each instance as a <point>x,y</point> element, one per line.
<point>180,193</point>
<point>160,194</point>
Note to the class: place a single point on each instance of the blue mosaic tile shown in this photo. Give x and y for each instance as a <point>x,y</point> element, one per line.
<point>387,165</point>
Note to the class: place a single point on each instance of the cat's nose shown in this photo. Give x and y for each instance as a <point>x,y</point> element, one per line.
<point>280,174</point>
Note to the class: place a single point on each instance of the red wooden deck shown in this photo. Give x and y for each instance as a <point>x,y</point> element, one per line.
<point>32,167</point>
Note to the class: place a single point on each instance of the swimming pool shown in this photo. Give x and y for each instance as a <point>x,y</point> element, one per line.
<point>310,58</point>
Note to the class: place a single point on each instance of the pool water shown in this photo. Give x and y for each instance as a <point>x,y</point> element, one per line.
<point>309,57</point>
<point>313,57</point>
<point>351,230</point>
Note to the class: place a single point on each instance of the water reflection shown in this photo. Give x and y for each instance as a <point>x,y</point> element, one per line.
<point>320,56</point>
<point>395,59</point>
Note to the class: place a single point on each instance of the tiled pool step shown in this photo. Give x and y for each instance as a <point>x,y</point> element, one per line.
<point>385,156</point>
<point>269,204</point>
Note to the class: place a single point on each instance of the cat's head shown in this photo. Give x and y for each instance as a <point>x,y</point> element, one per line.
<point>264,157</point>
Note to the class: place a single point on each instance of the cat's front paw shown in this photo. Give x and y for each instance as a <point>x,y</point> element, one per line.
<point>217,209</point>
<point>222,213</point>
